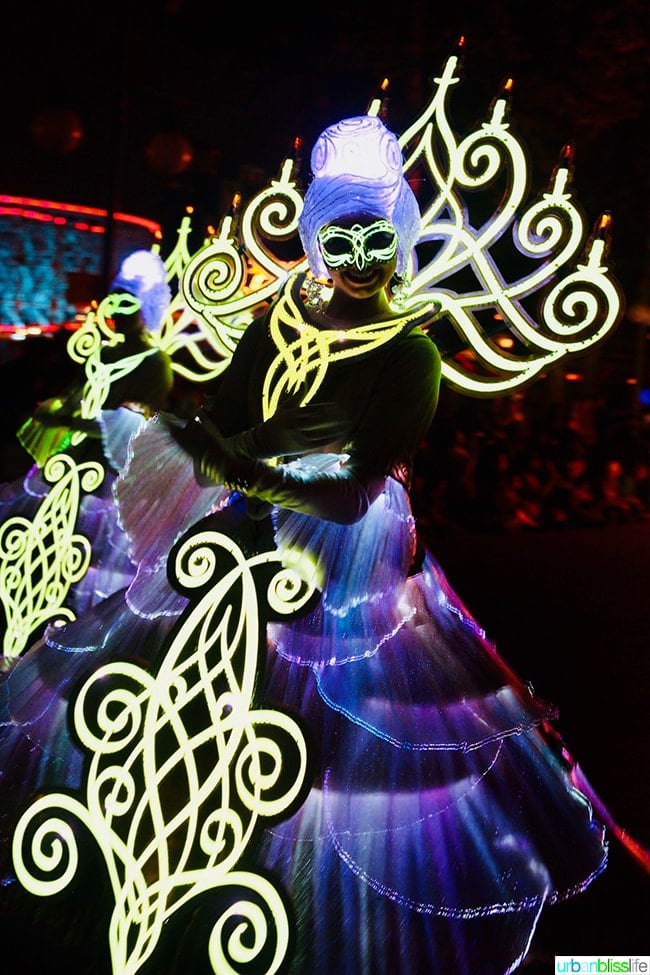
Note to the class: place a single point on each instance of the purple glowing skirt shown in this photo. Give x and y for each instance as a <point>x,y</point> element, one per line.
<point>444,811</point>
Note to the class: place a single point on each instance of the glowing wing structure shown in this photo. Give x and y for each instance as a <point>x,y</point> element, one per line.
<point>237,272</point>
<point>519,288</point>
<point>548,304</point>
<point>200,348</point>
<point>522,282</point>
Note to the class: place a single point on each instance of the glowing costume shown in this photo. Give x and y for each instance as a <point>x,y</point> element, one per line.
<point>442,811</point>
<point>61,514</point>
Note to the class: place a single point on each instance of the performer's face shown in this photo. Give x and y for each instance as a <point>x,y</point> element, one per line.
<point>360,253</point>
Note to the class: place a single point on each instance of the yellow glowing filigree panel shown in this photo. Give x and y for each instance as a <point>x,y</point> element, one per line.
<point>182,766</point>
<point>41,558</point>
<point>573,309</point>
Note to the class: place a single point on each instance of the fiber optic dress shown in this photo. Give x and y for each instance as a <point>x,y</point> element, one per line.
<point>442,815</point>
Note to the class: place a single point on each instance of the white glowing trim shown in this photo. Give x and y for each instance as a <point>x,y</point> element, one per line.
<point>120,716</point>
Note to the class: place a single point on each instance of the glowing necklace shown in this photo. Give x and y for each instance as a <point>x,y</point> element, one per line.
<point>302,362</point>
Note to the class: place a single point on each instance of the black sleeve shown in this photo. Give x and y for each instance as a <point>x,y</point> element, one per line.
<point>234,402</point>
<point>401,407</point>
<point>398,411</point>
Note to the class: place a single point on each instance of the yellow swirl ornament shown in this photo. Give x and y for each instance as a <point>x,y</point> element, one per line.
<point>41,558</point>
<point>181,767</point>
<point>302,362</point>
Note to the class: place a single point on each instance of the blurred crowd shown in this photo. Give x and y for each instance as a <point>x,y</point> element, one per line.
<point>504,464</point>
<point>511,465</point>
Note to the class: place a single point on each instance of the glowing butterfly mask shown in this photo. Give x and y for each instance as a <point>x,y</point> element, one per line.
<point>358,246</point>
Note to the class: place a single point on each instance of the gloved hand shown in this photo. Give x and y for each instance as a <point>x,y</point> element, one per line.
<point>342,496</point>
<point>195,439</point>
<point>293,429</point>
<point>53,413</point>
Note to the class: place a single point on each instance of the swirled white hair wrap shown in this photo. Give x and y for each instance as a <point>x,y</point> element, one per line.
<point>143,274</point>
<point>357,169</point>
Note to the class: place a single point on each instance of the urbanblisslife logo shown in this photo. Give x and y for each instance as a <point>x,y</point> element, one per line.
<point>606,964</point>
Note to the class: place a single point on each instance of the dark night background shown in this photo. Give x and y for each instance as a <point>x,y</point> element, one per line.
<point>237,85</point>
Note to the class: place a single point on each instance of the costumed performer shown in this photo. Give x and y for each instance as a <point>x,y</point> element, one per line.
<point>124,381</point>
<point>443,815</point>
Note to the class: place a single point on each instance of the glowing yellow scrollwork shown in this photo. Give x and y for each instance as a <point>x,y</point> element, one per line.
<point>301,364</point>
<point>85,346</point>
<point>41,558</point>
<point>182,766</point>
<point>536,295</point>
<point>198,352</point>
<point>226,281</point>
<point>582,307</point>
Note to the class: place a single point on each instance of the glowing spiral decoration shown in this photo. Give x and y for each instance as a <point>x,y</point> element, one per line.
<point>181,766</point>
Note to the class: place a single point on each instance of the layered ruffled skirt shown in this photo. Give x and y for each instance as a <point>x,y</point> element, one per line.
<point>443,812</point>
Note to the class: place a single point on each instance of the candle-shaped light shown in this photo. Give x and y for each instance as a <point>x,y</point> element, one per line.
<point>567,155</point>
<point>458,49</point>
<point>379,104</point>
<point>601,239</point>
<point>563,171</point>
<point>603,226</point>
<point>296,155</point>
<point>501,103</point>
<point>227,228</point>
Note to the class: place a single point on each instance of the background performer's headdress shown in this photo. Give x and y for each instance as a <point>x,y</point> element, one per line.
<point>144,275</point>
<point>357,168</point>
